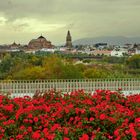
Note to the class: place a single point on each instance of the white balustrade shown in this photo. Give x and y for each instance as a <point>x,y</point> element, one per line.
<point>29,87</point>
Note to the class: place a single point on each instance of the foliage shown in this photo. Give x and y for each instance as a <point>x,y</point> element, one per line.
<point>104,115</point>
<point>134,62</point>
<point>95,73</point>
<point>32,72</point>
<point>58,66</point>
<point>113,59</point>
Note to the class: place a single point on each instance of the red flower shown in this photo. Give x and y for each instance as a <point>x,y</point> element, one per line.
<point>91,119</point>
<point>30,121</point>
<point>66,131</point>
<point>36,135</point>
<point>29,129</point>
<point>1,136</point>
<point>137,120</point>
<point>19,112</point>
<point>9,107</point>
<point>118,138</point>
<point>119,89</point>
<point>110,137</point>
<point>116,132</point>
<point>35,119</point>
<point>65,138</point>
<point>67,110</point>
<point>127,132</point>
<point>22,127</point>
<point>134,138</point>
<point>84,137</point>
<point>51,136</point>
<point>25,120</point>
<point>30,116</point>
<point>19,136</point>
<point>132,130</point>
<point>54,127</point>
<point>102,117</point>
<point>47,108</point>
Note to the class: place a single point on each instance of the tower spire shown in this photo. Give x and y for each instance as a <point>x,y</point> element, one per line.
<point>68,40</point>
<point>68,32</point>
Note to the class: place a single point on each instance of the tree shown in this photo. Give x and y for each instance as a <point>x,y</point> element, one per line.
<point>96,73</point>
<point>33,72</point>
<point>70,71</point>
<point>134,62</point>
<point>6,63</point>
<point>58,68</point>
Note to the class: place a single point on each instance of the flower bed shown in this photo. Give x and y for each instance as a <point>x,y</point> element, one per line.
<point>76,116</point>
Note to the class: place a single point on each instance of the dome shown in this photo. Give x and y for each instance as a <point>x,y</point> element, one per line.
<point>40,42</point>
<point>32,41</point>
<point>41,37</point>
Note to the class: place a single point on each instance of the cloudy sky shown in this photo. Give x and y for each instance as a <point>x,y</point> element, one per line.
<point>23,20</point>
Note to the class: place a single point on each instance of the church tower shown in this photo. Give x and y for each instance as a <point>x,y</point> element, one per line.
<point>68,40</point>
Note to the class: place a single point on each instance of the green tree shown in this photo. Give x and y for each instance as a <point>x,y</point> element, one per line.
<point>134,62</point>
<point>58,68</point>
<point>33,72</point>
<point>70,71</point>
<point>6,63</point>
<point>96,73</point>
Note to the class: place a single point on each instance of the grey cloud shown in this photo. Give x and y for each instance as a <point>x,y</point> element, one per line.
<point>40,9</point>
<point>84,17</point>
<point>19,27</point>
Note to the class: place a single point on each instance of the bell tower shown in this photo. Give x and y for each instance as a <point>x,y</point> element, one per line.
<point>68,40</point>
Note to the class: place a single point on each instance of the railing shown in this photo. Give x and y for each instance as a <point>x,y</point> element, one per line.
<point>29,87</point>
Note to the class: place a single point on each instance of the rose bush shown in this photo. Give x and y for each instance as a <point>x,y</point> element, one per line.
<point>105,115</point>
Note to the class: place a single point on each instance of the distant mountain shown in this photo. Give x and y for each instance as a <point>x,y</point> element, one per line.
<point>111,40</point>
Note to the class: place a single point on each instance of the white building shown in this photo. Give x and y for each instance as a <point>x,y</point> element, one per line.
<point>119,52</point>
<point>52,50</point>
<point>101,52</point>
<point>137,51</point>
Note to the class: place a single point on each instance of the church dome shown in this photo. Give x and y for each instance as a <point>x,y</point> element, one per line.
<point>33,40</point>
<point>40,42</point>
<point>41,37</point>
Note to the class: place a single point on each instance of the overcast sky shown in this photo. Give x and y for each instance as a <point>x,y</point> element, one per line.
<point>23,20</point>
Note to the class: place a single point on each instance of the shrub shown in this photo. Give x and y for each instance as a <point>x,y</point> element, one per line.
<point>76,116</point>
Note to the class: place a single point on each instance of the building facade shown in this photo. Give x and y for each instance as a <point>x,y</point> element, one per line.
<point>14,46</point>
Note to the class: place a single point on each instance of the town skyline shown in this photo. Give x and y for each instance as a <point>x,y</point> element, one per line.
<point>21,21</point>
